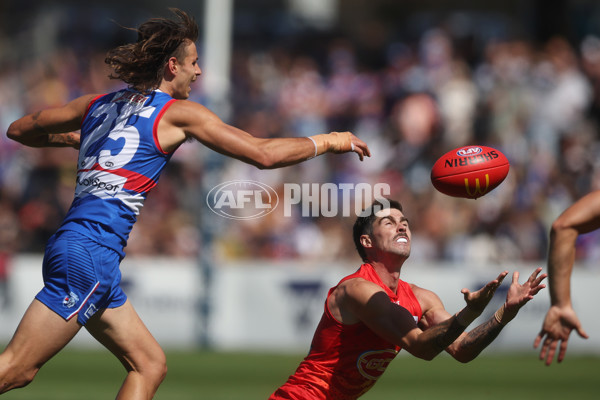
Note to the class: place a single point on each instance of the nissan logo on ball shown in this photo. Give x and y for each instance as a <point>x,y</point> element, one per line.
<point>242,199</point>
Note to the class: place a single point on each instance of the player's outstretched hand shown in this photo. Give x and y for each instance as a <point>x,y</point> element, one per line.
<point>342,142</point>
<point>477,301</point>
<point>556,329</point>
<point>518,295</point>
<point>360,148</point>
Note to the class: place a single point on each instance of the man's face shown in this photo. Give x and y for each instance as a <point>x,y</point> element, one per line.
<point>187,72</point>
<point>391,234</point>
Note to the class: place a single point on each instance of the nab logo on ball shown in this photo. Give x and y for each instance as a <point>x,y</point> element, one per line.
<point>470,171</point>
<point>242,199</point>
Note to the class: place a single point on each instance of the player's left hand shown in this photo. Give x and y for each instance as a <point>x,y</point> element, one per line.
<point>518,295</point>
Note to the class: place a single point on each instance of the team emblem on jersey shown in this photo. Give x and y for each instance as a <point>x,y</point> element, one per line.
<point>70,300</point>
<point>372,364</point>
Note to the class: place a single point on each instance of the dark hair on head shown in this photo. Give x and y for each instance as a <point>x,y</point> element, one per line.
<point>364,222</point>
<point>141,64</point>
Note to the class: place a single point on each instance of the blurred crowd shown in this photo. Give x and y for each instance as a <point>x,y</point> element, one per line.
<point>539,103</point>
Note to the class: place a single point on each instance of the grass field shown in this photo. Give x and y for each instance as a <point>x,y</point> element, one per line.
<point>90,375</point>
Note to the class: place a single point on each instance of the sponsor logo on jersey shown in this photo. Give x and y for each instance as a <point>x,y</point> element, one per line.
<point>372,364</point>
<point>97,183</point>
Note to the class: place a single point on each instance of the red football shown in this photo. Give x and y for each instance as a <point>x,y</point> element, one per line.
<point>469,171</point>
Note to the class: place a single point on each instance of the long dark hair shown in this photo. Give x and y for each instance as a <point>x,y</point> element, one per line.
<point>141,64</point>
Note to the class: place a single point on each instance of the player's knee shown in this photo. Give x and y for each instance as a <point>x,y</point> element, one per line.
<point>160,369</point>
<point>156,368</point>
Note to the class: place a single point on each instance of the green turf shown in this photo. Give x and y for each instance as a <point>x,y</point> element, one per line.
<point>90,375</point>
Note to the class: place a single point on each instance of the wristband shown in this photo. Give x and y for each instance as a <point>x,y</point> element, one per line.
<point>499,314</point>
<point>315,143</point>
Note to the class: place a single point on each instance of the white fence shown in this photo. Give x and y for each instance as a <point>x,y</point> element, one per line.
<point>269,306</point>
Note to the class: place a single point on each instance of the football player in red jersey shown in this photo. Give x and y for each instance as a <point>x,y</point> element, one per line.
<point>372,314</point>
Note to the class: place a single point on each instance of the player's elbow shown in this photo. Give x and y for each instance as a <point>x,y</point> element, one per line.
<point>463,355</point>
<point>424,353</point>
<point>427,356</point>
<point>558,225</point>
<point>13,132</point>
<point>463,359</point>
<point>264,160</point>
<point>266,164</point>
<point>563,229</point>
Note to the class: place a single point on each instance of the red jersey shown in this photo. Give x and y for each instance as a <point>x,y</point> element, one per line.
<point>345,361</point>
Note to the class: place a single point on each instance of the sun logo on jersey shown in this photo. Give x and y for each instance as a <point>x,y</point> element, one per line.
<point>372,364</point>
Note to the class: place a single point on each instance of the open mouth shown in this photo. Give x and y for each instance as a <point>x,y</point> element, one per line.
<point>402,239</point>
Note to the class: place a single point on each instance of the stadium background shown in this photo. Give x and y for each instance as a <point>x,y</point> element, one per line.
<point>412,79</point>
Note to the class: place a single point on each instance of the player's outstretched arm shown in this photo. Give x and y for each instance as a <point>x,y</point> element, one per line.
<point>440,329</point>
<point>472,343</point>
<point>186,119</point>
<point>53,127</point>
<point>368,303</point>
<point>561,320</point>
<point>394,323</point>
<point>581,217</point>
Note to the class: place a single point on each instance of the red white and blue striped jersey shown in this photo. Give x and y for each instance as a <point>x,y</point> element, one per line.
<point>120,161</point>
<point>345,361</point>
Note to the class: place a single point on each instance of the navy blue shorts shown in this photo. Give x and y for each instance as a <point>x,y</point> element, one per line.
<point>81,277</point>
